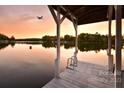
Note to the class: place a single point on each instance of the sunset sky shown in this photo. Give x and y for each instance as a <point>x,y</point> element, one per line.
<point>21,21</point>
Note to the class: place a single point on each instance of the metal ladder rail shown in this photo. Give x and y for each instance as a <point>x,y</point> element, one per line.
<point>71,63</point>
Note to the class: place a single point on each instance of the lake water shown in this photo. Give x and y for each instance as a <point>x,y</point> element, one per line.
<point>23,67</point>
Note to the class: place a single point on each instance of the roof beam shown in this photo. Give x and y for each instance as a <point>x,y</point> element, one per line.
<point>90,11</point>
<point>80,9</point>
<point>68,11</point>
<point>98,16</point>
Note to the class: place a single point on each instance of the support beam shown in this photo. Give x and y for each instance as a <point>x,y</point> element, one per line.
<point>53,13</point>
<point>74,21</point>
<point>110,56</point>
<point>118,44</point>
<point>76,43</point>
<point>62,19</point>
<point>109,27</point>
<point>58,21</point>
<point>76,37</point>
<point>57,64</point>
<point>76,33</point>
<point>75,24</point>
<point>67,10</point>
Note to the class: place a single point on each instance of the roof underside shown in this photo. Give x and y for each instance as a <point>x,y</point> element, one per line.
<point>87,13</point>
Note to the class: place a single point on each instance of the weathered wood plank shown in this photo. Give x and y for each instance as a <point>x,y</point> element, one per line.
<point>84,76</point>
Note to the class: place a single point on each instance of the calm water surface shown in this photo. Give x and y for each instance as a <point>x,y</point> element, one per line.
<point>24,67</point>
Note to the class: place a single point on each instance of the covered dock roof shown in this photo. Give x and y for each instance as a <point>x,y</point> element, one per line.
<point>86,13</point>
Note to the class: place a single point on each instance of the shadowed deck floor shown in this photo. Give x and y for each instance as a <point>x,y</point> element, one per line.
<point>86,75</point>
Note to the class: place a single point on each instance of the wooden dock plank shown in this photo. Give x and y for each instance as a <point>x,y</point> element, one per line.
<point>84,76</point>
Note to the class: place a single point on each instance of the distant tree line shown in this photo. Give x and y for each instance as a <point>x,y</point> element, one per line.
<point>4,37</point>
<point>5,41</point>
<point>47,38</point>
<point>85,37</point>
<point>82,38</point>
<point>86,42</point>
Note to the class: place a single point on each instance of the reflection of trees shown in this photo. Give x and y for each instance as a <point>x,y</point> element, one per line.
<point>48,44</point>
<point>91,46</point>
<point>3,45</point>
<point>68,45</point>
<point>86,41</point>
<point>82,46</point>
<point>12,44</point>
<point>87,46</point>
<point>5,41</point>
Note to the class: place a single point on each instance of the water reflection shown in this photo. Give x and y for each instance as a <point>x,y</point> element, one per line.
<point>3,45</point>
<point>12,44</point>
<point>48,44</point>
<point>20,67</point>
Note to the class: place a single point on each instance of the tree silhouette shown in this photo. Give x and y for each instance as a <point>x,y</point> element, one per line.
<point>12,38</point>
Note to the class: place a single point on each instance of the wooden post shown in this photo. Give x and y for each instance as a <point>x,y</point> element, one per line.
<point>76,43</point>
<point>75,24</point>
<point>118,44</point>
<point>76,38</point>
<point>58,21</point>
<point>58,43</point>
<point>109,27</point>
<point>110,56</point>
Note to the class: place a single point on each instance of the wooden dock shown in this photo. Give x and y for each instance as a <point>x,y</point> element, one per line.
<point>86,75</point>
